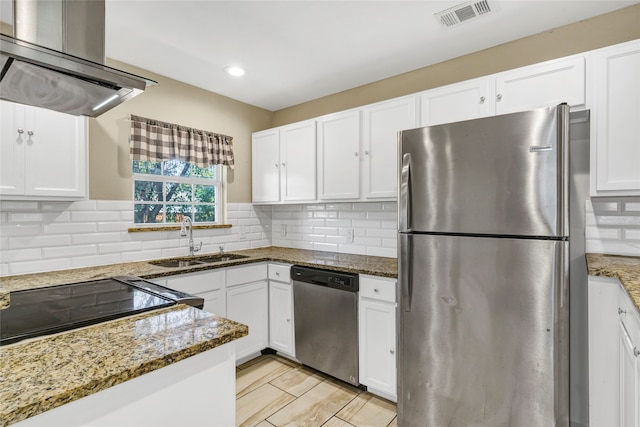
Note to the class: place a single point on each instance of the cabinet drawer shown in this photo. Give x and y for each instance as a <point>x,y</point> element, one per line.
<point>195,283</point>
<point>246,274</point>
<point>281,273</point>
<point>378,288</point>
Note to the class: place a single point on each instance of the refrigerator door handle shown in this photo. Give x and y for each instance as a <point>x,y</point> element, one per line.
<point>404,271</point>
<point>405,194</point>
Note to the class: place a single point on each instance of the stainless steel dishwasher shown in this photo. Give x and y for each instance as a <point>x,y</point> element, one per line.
<point>326,321</point>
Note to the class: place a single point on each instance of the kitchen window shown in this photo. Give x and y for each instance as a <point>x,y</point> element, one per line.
<point>167,191</point>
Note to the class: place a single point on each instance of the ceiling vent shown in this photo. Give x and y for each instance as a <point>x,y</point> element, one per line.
<point>464,12</point>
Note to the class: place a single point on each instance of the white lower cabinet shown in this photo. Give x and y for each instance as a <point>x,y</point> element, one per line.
<point>614,355</point>
<point>281,322</point>
<point>377,335</point>
<point>206,284</point>
<point>248,303</point>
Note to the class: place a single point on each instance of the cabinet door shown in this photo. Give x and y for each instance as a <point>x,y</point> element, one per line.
<point>629,383</point>
<point>471,99</point>
<point>13,139</point>
<point>248,304</point>
<point>381,124</point>
<point>339,156</point>
<point>298,161</point>
<point>542,85</point>
<point>215,302</point>
<point>281,317</point>
<point>377,335</point>
<point>265,155</point>
<point>616,163</point>
<point>55,154</point>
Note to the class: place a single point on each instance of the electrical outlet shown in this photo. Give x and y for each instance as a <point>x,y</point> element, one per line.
<point>243,232</point>
<point>283,230</point>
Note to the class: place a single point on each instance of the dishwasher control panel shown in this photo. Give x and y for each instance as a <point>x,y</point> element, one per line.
<point>329,278</point>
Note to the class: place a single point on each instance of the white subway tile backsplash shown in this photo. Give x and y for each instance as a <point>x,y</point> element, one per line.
<point>69,251</point>
<point>613,225</point>
<point>95,216</point>
<point>15,255</point>
<point>39,241</point>
<point>42,265</point>
<point>7,206</point>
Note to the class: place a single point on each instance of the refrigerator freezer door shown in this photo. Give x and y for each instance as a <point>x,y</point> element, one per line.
<point>502,175</point>
<point>482,342</point>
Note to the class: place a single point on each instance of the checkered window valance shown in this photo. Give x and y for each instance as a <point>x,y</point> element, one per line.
<point>155,141</point>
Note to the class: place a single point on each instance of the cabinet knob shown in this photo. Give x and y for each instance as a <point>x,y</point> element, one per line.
<point>636,352</point>
<point>277,165</point>
<point>20,131</point>
<point>392,351</point>
<point>499,97</point>
<point>355,154</point>
<point>621,311</point>
<point>29,132</point>
<point>375,290</point>
<point>482,99</point>
<point>277,273</point>
<point>284,164</point>
<point>366,153</point>
<point>288,320</point>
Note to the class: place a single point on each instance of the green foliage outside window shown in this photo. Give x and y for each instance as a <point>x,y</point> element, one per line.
<point>166,192</point>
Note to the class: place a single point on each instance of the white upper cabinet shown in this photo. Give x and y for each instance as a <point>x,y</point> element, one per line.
<point>284,164</point>
<point>339,156</point>
<point>381,123</point>
<point>265,156</point>
<point>541,85</point>
<point>468,100</point>
<point>298,162</point>
<point>43,154</point>
<point>615,121</point>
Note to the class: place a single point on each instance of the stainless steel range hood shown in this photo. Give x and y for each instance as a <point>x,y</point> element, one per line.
<point>56,59</point>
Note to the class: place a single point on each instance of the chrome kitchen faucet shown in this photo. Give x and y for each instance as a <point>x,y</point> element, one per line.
<point>187,223</point>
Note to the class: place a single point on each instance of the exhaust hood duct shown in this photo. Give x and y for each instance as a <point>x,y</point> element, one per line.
<point>56,59</point>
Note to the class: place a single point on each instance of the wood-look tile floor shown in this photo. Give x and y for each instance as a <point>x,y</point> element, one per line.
<point>274,391</point>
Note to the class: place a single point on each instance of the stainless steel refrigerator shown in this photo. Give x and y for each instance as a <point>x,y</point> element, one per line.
<point>484,270</point>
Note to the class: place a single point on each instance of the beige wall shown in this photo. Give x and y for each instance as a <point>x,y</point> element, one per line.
<point>615,27</point>
<point>174,102</point>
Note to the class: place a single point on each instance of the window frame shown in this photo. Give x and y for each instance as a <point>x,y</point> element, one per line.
<point>219,190</point>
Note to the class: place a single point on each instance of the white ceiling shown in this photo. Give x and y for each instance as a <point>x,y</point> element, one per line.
<point>296,51</point>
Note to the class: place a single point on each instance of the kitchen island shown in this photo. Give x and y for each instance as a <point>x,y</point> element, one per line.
<point>117,365</point>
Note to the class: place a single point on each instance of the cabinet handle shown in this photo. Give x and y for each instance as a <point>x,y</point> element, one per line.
<point>375,290</point>
<point>366,153</point>
<point>284,164</point>
<point>499,97</point>
<point>29,132</point>
<point>277,273</point>
<point>20,131</point>
<point>392,351</point>
<point>288,320</point>
<point>482,99</point>
<point>355,154</point>
<point>621,311</point>
<point>277,165</point>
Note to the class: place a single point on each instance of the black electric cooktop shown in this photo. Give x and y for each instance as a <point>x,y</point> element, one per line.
<point>54,309</point>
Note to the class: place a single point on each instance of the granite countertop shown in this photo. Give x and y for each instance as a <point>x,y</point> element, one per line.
<point>43,373</point>
<point>361,264</point>
<point>624,268</point>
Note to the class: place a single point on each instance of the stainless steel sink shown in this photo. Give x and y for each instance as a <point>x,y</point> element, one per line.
<point>206,259</point>
<point>177,263</point>
<point>221,257</point>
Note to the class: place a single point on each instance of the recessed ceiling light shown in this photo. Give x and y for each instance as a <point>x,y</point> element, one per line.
<point>234,71</point>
